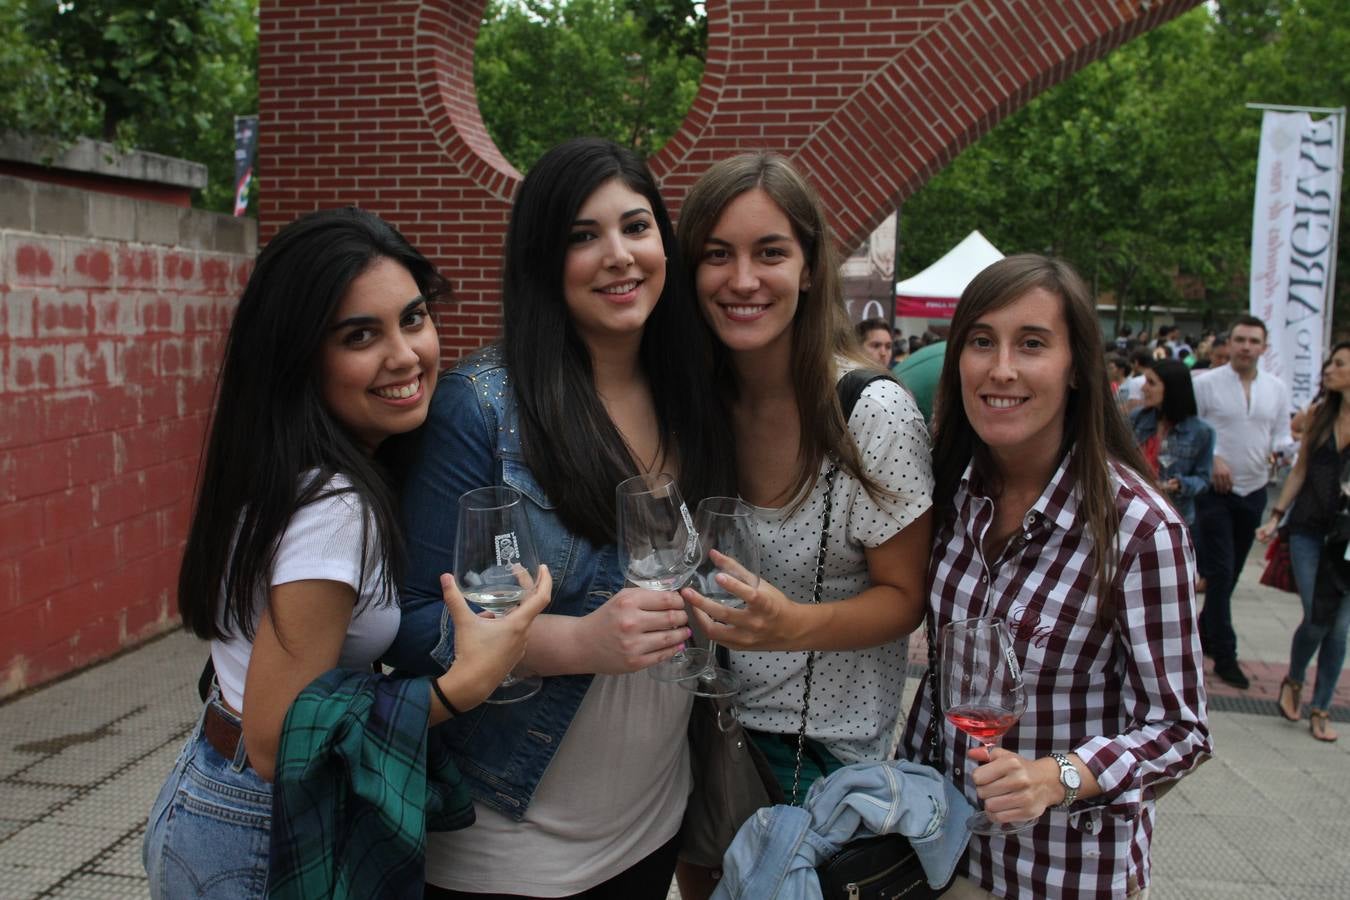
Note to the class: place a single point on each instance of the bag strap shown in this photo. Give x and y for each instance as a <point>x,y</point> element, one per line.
<point>849,388</point>
<point>811,654</point>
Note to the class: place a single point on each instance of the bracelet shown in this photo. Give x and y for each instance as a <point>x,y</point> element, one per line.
<point>1277,512</point>
<point>445,701</point>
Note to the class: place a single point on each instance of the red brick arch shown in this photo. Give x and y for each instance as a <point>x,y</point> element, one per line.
<point>870,97</point>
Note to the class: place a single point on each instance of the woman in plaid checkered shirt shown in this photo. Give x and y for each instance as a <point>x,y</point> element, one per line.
<point>1048,519</point>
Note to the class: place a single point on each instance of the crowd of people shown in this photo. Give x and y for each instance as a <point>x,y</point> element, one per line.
<point>324,533</point>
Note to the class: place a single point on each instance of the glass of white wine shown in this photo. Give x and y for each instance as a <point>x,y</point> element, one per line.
<point>659,550</point>
<point>725,525</point>
<point>496,566</point>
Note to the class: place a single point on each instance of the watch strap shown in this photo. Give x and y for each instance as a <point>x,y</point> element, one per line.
<point>1070,793</point>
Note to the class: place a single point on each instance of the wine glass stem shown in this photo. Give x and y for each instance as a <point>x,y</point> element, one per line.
<point>710,668</point>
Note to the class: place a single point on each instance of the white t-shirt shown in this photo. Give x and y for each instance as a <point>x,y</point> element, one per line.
<point>1246,432</point>
<point>613,794</point>
<point>322,542</point>
<point>855,694</point>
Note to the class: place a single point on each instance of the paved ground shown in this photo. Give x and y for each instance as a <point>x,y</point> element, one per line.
<point>81,760</point>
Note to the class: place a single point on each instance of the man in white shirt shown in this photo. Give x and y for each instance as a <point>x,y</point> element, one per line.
<point>1249,411</point>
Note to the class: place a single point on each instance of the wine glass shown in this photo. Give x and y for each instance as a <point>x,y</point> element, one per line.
<point>982,692</point>
<point>659,550</point>
<point>496,565</point>
<point>1165,458</point>
<point>724,524</point>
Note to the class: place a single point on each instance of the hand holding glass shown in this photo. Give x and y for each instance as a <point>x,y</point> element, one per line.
<point>982,692</point>
<point>659,550</point>
<point>727,535</point>
<point>496,565</point>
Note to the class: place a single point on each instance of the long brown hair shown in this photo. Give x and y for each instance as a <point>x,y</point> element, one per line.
<point>1324,417</point>
<point>1093,423</point>
<point>821,331</point>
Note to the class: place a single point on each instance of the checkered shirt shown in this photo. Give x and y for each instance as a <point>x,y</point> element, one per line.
<point>1127,697</point>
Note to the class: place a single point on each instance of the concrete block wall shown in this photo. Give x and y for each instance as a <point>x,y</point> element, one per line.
<point>113,313</point>
<point>376,106</point>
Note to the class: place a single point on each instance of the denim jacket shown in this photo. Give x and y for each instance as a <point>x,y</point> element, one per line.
<point>471,439</point>
<point>1192,442</point>
<point>776,851</point>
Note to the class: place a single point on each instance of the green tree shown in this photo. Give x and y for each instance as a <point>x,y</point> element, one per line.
<point>1140,168</point>
<point>623,69</point>
<point>161,75</point>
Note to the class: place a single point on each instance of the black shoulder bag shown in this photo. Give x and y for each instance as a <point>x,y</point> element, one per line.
<point>884,866</point>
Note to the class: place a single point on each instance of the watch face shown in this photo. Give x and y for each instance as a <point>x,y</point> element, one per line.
<point>1072,780</point>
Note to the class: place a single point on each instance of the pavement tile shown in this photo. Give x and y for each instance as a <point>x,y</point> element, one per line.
<point>98,886</point>
<point>1278,852</point>
<point>56,846</point>
<point>1195,847</point>
<point>29,802</point>
<point>26,881</point>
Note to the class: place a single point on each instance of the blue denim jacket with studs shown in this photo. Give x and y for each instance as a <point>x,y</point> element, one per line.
<point>472,439</point>
<point>1192,443</point>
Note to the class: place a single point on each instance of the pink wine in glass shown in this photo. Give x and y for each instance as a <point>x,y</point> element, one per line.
<point>985,724</point>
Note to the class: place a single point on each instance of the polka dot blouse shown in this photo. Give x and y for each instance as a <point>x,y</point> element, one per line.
<point>855,694</point>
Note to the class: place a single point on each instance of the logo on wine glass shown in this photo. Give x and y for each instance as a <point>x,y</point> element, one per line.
<point>508,551</point>
<point>1013,668</point>
<point>691,541</point>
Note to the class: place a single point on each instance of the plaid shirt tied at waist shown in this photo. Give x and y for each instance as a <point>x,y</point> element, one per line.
<point>1126,695</point>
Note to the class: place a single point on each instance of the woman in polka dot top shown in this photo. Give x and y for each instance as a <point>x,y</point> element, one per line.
<point>767,284</point>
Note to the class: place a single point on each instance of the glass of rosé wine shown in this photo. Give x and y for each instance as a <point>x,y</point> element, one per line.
<point>982,692</point>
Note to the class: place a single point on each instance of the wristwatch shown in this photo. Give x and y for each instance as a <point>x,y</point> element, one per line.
<point>1069,777</point>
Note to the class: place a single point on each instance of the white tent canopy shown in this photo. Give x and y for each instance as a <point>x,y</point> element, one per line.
<point>934,291</point>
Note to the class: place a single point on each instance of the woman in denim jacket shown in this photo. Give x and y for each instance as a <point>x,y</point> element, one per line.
<point>1177,443</point>
<point>581,788</point>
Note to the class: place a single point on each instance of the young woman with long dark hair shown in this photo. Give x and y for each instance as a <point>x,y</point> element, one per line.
<point>1314,491</point>
<point>1050,521</point>
<point>1177,444</point>
<point>601,375</point>
<point>767,284</point>
<point>293,553</point>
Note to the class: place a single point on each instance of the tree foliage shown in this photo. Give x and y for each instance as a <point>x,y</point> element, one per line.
<point>167,76</point>
<point>622,69</point>
<point>1140,168</point>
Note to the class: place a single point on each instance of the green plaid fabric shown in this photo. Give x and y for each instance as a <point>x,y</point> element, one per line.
<point>359,782</point>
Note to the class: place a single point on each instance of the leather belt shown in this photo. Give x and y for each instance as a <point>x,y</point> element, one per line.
<point>221,732</point>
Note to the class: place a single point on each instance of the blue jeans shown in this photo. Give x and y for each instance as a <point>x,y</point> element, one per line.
<point>1304,551</point>
<point>208,830</point>
<point>1225,525</point>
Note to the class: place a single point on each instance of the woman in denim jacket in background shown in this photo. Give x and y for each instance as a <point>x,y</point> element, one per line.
<point>600,375</point>
<point>1168,421</point>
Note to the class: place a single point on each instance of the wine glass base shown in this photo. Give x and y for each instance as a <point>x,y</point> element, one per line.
<point>514,690</point>
<point>714,682</point>
<point>980,823</point>
<point>688,663</point>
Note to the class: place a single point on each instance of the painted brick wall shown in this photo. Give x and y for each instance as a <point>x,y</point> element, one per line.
<point>112,317</point>
<point>374,104</point>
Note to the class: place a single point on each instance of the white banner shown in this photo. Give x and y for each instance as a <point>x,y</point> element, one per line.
<point>1297,186</point>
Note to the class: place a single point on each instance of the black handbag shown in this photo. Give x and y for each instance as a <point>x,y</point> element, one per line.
<point>885,866</point>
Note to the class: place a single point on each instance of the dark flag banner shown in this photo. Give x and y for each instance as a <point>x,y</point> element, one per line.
<point>245,145</point>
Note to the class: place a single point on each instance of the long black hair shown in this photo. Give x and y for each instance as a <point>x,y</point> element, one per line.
<point>1178,402</point>
<point>273,445</point>
<point>567,437</point>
